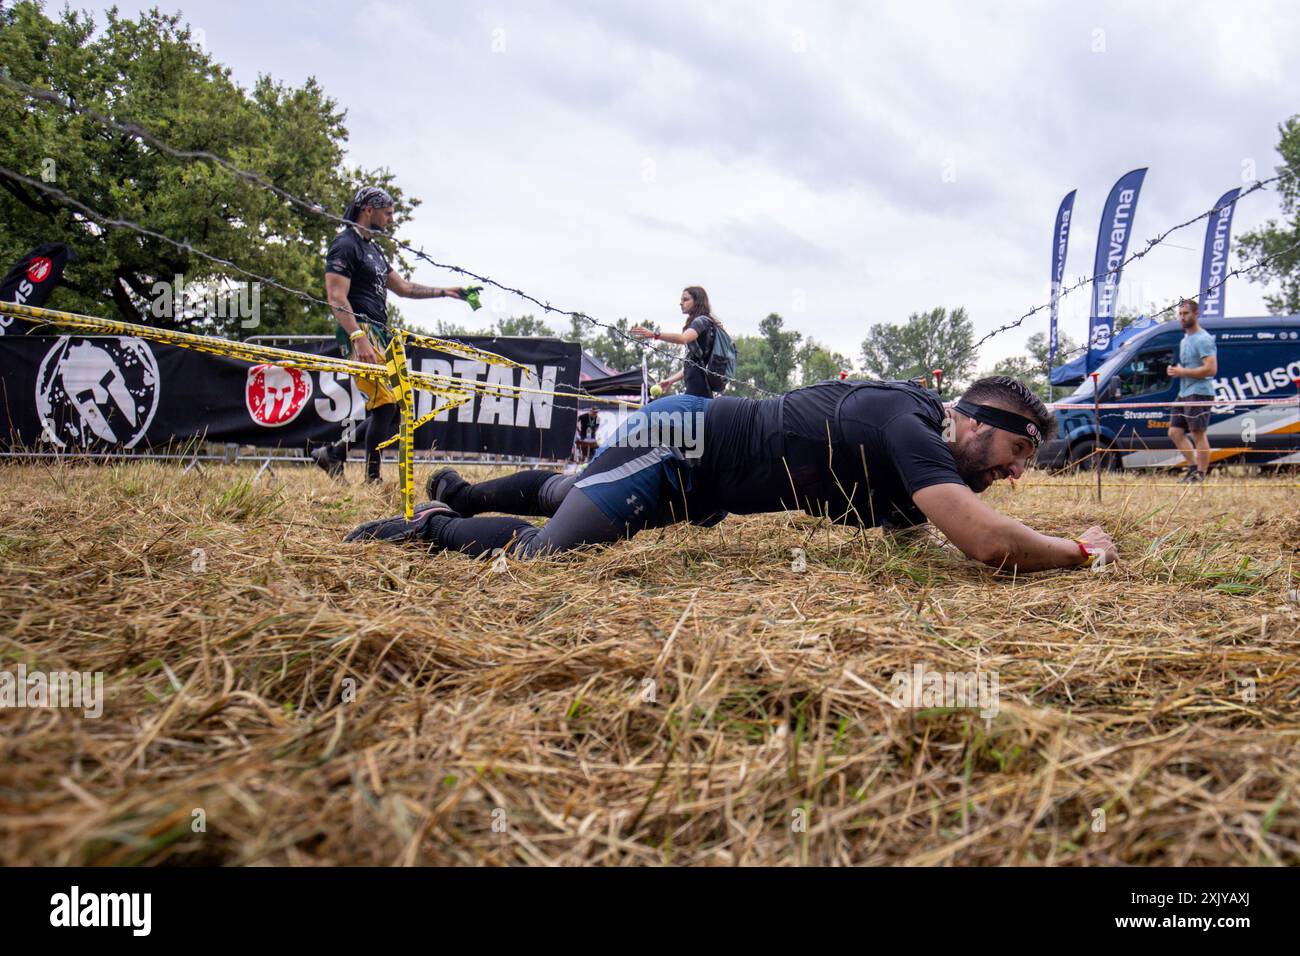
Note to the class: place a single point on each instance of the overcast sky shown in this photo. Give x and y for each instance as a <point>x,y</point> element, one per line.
<point>840,163</point>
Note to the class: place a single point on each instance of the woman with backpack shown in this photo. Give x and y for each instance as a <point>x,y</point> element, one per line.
<point>698,334</point>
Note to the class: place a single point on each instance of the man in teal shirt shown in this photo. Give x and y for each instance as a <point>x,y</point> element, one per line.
<point>1198,364</point>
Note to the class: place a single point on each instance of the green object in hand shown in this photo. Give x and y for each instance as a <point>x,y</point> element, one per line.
<point>471,296</point>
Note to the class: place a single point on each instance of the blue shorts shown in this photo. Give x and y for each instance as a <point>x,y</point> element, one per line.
<point>642,474</point>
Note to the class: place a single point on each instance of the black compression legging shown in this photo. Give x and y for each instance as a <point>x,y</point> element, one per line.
<point>575,519</point>
<point>380,425</point>
<point>537,493</point>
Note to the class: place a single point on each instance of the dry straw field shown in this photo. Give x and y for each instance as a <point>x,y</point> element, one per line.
<point>273,696</point>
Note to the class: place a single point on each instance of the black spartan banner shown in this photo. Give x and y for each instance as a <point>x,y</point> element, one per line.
<point>30,282</point>
<point>110,393</point>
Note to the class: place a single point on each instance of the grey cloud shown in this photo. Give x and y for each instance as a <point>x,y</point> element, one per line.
<point>760,239</point>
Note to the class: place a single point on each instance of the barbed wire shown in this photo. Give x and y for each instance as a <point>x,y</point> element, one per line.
<point>1240,270</point>
<point>316,209</point>
<point>1133,257</point>
<point>59,195</point>
<point>55,193</point>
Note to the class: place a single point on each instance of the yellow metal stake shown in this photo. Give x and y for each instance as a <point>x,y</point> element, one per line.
<point>400,381</point>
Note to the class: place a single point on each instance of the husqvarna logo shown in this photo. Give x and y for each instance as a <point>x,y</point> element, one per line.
<point>1100,338</point>
<point>274,395</point>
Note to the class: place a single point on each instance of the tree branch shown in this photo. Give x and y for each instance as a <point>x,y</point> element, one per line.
<point>21,194</point>
<point>123,301</point>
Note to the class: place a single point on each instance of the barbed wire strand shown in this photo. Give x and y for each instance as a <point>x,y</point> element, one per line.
<point>470,385</point>
<point>316,209</point>
<point>1133,257</point>
<point>1240,270</point>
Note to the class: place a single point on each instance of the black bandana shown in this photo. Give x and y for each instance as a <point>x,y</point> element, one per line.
<point>367,197</point>
<point>1001,418</point>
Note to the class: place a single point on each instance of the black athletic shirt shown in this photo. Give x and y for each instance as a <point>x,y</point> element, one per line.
<point>852,450</point>
<point>362,261</point>
<point>697,352</point>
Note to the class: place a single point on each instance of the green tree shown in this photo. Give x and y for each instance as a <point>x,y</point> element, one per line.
<point>1282,241</point>
<point>818,363</point>
<point>151,71</point>
<point>782,352</point>
<point>580,331</point>
<point>767,360</point>
<point>618,349</point>
<point>454,330</point>
<point>1031,366</point>
<point>928,340</point>
<point>751,363</point>
<point>1126,316</point>
<point>524,325</point>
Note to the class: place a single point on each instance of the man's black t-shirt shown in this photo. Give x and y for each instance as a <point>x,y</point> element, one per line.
<point>855,451</point>
<point>694,381</point>
<point>362,261</point>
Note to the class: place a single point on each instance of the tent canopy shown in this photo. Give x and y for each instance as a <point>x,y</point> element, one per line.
<point>593,367</point>
<point>621,383</point>
<point>1074,371</point>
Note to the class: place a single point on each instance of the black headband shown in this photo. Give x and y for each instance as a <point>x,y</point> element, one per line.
<point>1003,419</point>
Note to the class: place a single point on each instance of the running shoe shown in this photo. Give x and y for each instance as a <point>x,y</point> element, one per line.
<point>326,460</point>
<point>397,529</point>
<point>444,484</point>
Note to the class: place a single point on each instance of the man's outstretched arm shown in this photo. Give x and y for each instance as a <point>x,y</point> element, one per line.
<point>413,290</point>
<point>994,539</point>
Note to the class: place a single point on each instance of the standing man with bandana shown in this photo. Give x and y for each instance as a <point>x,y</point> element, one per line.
<point>357,281</point>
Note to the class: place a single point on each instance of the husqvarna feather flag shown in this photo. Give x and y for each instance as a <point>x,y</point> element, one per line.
<point>1060,243</point>
<point>1214,262</point>
<point>1112,246</point>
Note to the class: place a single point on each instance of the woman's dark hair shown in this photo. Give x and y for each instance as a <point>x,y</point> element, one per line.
<point>1012,395</point>
<point>701,306</point>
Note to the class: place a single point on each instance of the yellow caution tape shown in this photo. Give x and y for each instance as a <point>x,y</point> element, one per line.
<point>393,378</point>
<point>399,381</point>
<point>425,419</point>
<point>433,382</point>
<point>456,348</point>
<point>262,354</point>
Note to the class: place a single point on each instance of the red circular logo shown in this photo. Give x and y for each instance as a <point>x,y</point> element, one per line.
<point>38,270</point>
<point>275,395</point>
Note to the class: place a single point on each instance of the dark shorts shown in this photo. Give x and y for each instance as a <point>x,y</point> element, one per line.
<point>639,485</point>
<point>630,485</point>
<point>1193,419</point>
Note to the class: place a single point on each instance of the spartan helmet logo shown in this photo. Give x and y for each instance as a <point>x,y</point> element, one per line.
<point>97,391</point>
<point>38,270</point>
<point>276,395</point>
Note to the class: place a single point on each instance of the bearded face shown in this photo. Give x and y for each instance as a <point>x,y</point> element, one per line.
<point>974,459</point>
